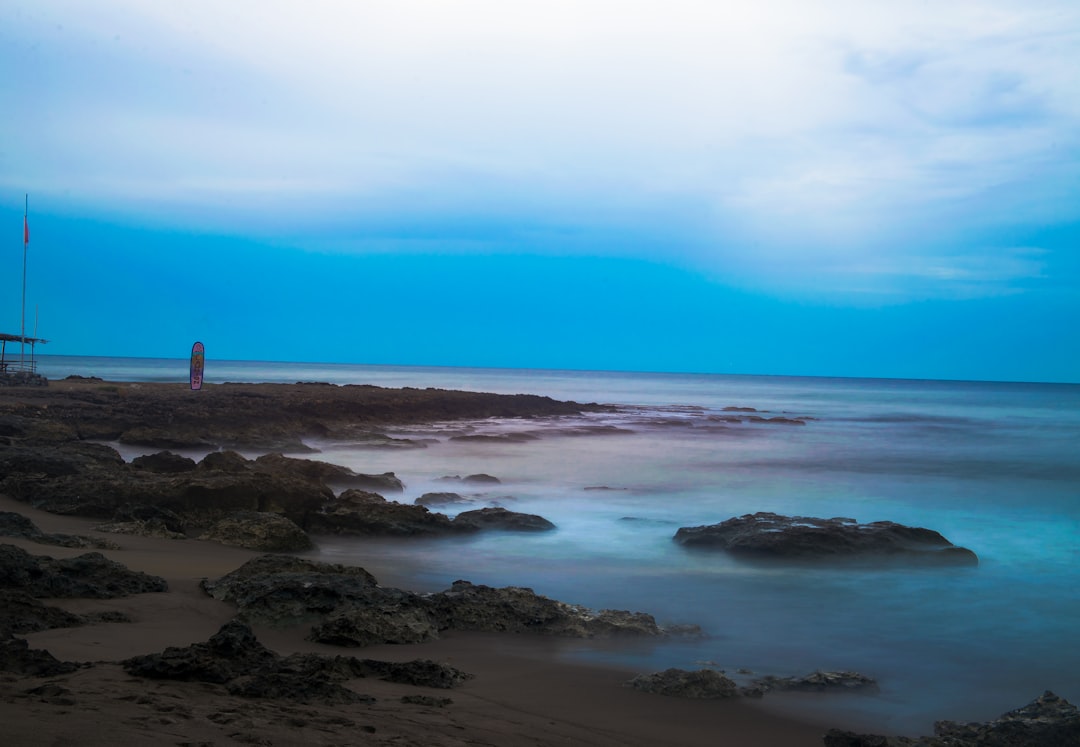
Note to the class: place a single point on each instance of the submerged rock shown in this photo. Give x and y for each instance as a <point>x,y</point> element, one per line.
<point>441,499</point>
<point>680,683</point>
<point>501,518</point>
<point>771,536</point>
<point>819,682</point>
<point>1047,721</point>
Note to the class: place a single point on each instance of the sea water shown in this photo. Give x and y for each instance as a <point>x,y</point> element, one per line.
<point>995,467</point>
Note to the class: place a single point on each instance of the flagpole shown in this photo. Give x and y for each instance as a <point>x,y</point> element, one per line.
<point>22,332</point>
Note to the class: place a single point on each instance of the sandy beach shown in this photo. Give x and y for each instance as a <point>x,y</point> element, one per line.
<point>522,691</point>
<point>521,694</point>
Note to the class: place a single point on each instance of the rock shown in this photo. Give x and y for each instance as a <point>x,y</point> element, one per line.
<point>164,462</point>
<point>234,657</point>
<point>441,499</point>
<point>398,622</point>
<point>91,575</point>
<point>261,531</point>
<point>329,474</point>
<point>225,461</point>
<point>17,525</point>
<point>778,420</point>
<point>230,653</point>
<point>426,700</point>
<point>771,536</point>
<point>21,613</point>
<point>501,518</point>
<point>348,608</point>
<point>294,688</point>
<point>281,591</point>
<point>360,512</point>
<point>98,484</point>
<point>152,516</point>
<point>481,479</point>
<point>151,528</point>
<point>819,682</point>
<point>1048,721</point>
<point>468,606</point>
<point>16,656</point>
<point>419,672</point>
<point>679,683</point>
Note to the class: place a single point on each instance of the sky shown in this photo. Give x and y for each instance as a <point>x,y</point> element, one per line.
<point>791,187</point>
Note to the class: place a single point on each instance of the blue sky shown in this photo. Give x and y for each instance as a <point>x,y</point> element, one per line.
<point>804,187</point>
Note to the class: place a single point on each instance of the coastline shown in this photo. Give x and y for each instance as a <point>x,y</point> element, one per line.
<point>59,455</point>
<point>521,695</point>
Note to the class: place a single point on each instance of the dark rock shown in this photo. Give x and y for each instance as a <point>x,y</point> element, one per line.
<point>360,512</point>
<point>295,688</point>
<point>230,653</point>
<point>679,683</point>
<point>234,657</point>
<point>778,420</point>
<point>16,656</point>
<point>426,700</point>
<point>164,462</point>
<point>501,518</point>
<point>150,528</point>
<point>348,608</point>
<point>152,516</point>
<point>481,479</point>
<point>51,693</point>
<point>225,461</point>
<point>396,621</point>
<point>330,474</point>
<point>1048,721</point>
<point>21,613</point>
<point>419,672</point>
<point>771,536</point>
<point>500,438</point>
<point>254,530</point>
<point>467,606</point>
<point>91,575</point>
<point>280,591</point>
<point>17,525</point>
<point>820,682</point>
<point>441,499</point>
<point>99,484</point>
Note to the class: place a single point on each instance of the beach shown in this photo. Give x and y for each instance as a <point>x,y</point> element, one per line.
<point>522,693</point>
<point>519,696</point>
<point>582,465</point>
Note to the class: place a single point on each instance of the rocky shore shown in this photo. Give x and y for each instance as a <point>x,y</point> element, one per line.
<point>173,605</point>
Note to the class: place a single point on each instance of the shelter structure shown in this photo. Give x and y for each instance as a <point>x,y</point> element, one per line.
<point>17,368</point>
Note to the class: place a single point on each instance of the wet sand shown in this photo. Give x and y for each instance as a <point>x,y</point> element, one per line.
<point>523,693</point>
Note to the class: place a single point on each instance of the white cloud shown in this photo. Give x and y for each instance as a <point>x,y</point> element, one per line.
<point>809,130</point>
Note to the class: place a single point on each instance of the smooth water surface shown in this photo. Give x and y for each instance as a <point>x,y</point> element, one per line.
<point>994,467</point>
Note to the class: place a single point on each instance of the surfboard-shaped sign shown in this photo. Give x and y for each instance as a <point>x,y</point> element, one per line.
<point>198,358</point>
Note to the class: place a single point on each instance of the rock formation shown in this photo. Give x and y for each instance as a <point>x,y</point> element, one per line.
<point>349,608</point>
<point>260,531</point>
<point>772,536</point>
<point>1047,721</point>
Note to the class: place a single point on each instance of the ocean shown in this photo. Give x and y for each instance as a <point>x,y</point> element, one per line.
<point>995,467</point>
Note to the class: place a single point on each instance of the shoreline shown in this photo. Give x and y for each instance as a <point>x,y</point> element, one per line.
<point>522,694</point>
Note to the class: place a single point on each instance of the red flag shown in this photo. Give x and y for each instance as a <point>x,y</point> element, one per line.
<point>25,231</point>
